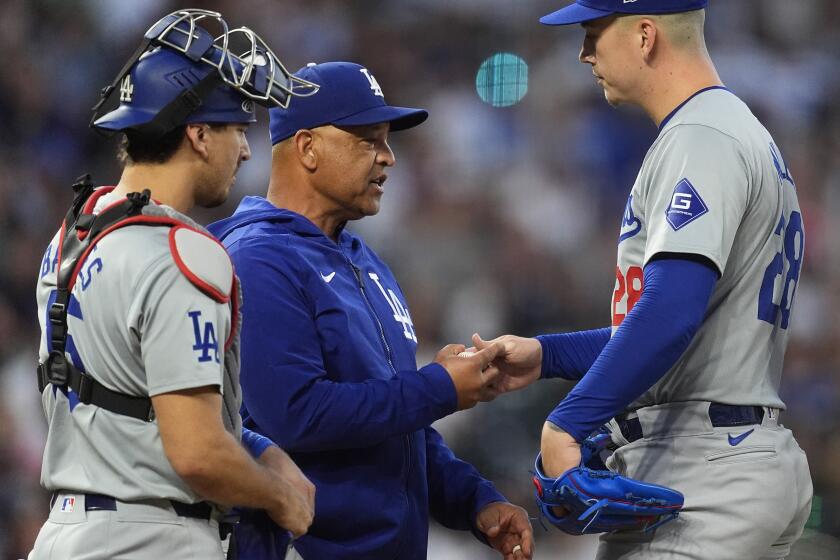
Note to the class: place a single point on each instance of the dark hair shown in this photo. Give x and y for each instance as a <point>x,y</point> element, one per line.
<point>137,147</point>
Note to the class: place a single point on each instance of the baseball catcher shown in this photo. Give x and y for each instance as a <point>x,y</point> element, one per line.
<point>138,305</point>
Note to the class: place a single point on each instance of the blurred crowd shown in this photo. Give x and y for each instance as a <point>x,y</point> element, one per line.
<point>494,219</point>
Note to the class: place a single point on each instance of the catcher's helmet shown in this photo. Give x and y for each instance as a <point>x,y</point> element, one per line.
<point>181,74</point>
<point>158,78</point>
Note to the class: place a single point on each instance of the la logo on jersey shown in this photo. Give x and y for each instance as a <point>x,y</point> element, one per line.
<point>374,85</point>
<point>126,89</point>
<point>781,167</point>
<point>205,338</point>
<point>686,205</point>
<point>630,224</point>
<point>400,312</point>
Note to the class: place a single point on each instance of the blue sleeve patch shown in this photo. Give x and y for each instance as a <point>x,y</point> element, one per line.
<point>686,205</point>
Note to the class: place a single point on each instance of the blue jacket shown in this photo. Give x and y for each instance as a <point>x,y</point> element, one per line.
<point>329,373</point>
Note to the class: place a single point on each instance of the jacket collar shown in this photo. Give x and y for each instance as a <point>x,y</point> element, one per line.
<point>256,209</point>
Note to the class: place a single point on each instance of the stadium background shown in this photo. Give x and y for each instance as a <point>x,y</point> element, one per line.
<point>494,219</point>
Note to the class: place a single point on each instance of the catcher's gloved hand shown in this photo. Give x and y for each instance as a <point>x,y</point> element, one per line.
<point>601,501</point>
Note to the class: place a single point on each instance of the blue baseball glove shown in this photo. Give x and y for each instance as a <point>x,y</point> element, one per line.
<point>601,501</point>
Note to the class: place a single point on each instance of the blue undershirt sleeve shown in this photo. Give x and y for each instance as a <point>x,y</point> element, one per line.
<point>570,355</point>
<point>255,443</point>
<point>648,343</point>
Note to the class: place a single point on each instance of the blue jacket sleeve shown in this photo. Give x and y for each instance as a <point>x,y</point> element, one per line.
<point>570,355</point>
<point>457,492</point>
<point>290,395</point>
<point>254,443</point>
<point>648,343</point>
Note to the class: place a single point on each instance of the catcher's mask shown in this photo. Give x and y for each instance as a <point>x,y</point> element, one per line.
<point>180,74</point>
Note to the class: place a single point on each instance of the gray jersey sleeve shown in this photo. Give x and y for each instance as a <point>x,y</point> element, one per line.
<point>181,330</point>
<point>697,194</point>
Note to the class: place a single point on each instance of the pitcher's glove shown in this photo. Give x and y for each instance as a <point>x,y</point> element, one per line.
<point>601,501</point>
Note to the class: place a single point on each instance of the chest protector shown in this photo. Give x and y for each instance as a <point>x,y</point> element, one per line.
<point>80,231</point>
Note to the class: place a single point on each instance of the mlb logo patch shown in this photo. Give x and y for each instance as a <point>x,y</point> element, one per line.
<point>67,504</point>
<point>686,205</point>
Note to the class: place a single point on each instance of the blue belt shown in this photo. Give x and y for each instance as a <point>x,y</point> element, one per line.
<point>721,415</point>
<point>99,502</point>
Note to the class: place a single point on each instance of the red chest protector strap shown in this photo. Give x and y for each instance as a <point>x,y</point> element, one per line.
<point>80,232</point>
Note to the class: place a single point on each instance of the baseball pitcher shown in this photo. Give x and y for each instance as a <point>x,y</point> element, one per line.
<point>710,251</point>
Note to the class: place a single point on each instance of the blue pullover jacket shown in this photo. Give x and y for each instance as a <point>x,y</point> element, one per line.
<point>329,373</point>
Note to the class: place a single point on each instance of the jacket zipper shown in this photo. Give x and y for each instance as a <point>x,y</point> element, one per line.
<point>370,307</point>
<point>358,274</point>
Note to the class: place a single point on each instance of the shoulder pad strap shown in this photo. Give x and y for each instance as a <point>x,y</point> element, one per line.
<point>203,260</point>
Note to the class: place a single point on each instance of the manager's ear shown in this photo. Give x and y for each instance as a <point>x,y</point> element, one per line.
<point>304,143</point>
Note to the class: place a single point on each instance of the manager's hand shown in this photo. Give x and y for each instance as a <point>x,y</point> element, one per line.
<point>472,375</point>
<point>507,529</point>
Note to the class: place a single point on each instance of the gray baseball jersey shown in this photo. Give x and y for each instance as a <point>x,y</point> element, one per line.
<point>139,326</point>
<point>715,184</point>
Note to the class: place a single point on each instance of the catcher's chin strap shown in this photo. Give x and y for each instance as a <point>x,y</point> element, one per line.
<point>177,110</point>
<point>106,92</point>
<point>78,232</point>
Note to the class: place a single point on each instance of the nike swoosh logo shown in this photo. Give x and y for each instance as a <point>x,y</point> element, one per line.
<point>733,441</point>
<point>328,277</point>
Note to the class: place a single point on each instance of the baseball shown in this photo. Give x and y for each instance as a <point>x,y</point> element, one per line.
<point>466,354</point>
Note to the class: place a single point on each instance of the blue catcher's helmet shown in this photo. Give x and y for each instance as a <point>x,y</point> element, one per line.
<point>181,74</point>
<point>158,78</point>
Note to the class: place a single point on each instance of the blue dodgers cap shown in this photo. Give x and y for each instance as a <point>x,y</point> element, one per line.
<point>349,95</point>
<point>586,10</point>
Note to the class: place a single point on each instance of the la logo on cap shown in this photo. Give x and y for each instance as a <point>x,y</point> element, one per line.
<point>374,85</point>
